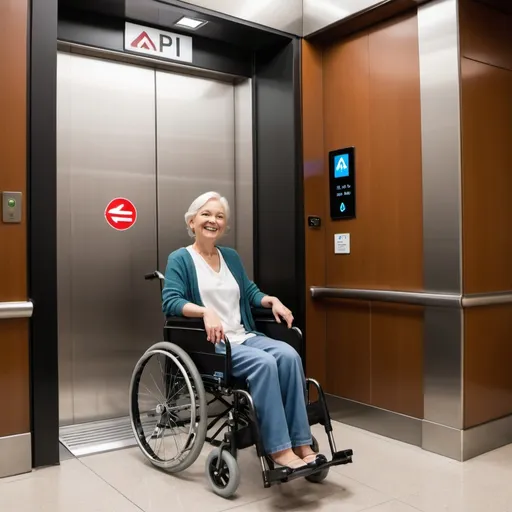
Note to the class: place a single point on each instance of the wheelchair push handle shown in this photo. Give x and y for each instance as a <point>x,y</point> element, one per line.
<point>154,275</point>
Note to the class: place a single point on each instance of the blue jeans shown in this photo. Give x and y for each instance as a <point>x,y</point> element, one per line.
<point>273,372</point>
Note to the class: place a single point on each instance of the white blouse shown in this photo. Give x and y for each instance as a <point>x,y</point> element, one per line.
<point>220,292</point>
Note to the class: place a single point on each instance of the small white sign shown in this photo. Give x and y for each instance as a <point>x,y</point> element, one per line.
<point>342,243</point>
<point>157,43</point>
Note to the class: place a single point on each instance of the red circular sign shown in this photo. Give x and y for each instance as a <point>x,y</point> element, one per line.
<point>121,214</point>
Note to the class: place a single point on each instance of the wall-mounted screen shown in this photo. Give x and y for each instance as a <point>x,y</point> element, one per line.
<point>342,183</point>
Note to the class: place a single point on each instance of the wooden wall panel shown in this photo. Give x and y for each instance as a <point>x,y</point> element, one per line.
<point>314,204</point>
<point>13,132</point>
<point>397,358</point>
<point>346,116</point>
<point>395,151</point>
<point>349,350</point>
<point>487,373</point>
<point>14,380</point>
<point>485,34</point>
<point>14,358</point>
<point>487,180</point>
<point>372,101</point>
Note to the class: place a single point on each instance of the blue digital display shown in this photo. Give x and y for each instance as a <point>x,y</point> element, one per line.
<point>341,166</point>
<point>342,184</point>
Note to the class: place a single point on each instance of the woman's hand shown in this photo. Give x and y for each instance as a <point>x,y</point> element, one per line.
<point>281,311</point>
<point>213,326</point>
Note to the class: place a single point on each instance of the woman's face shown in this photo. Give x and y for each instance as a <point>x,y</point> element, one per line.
<point>210,221</point>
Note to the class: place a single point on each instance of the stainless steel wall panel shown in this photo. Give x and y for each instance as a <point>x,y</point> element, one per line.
<point>442,221</point>
<point>441,145</point>
<point>115,314</point>
<point>244,174</point>
<point>196,152</point>
<point>283,15</point>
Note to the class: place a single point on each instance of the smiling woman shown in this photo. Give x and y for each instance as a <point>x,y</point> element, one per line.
<point>208,281</point>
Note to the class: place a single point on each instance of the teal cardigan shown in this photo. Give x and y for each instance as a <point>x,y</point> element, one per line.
<point>180,286</point>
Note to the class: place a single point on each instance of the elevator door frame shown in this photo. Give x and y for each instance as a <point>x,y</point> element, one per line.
<point>274,64</point>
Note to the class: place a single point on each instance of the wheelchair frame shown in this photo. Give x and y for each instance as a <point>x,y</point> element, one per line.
<point>240,416</point>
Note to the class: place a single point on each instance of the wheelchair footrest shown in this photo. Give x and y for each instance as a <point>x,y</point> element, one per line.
<point>286,475</point>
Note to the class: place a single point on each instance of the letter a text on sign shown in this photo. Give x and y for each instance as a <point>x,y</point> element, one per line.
<point>157,43</point>
<point>121,214</point>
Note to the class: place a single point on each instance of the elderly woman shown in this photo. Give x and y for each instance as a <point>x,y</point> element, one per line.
<point>209,281</point>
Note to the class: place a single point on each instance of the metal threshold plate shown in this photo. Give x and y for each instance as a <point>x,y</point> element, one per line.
<point>97,437</point>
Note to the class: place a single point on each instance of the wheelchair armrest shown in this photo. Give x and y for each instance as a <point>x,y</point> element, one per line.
<point>184,322</point>
<point>263,315</point>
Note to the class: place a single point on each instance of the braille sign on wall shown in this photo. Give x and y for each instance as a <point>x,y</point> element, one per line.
<point>342,183</point>
<point>153,42</point>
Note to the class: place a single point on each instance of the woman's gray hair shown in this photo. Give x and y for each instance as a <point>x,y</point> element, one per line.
<point>199,202</point>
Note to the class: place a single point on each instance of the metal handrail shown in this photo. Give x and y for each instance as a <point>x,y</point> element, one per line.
<point>9,310</point>
<point>413,298</point>
<point>400,297</point>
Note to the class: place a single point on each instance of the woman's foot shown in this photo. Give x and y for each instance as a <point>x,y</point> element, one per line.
<point>306,453</point>
<point>288,459</point>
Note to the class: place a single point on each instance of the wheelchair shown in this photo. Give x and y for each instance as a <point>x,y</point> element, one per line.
<point>192,392</point>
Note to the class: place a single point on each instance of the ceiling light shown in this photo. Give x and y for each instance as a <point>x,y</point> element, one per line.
<point>190,23</point>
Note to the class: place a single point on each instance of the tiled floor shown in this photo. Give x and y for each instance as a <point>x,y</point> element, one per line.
<point>386,476</point>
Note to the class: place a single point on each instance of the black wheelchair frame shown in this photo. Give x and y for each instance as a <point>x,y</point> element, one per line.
<point>240,416</point>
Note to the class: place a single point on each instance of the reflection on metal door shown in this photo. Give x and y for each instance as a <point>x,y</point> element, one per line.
<point>158,140</point>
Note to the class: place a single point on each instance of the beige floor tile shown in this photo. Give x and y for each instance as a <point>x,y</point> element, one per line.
<point>392,506</point>
<point>153,490</point>
<point>70,487</point>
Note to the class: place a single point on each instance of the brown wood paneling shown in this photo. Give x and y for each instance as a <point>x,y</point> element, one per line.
<point>487,180</point>
<point>395,148</point>
<point>13,101</point>
<point>346,123</point>
<point>487,357</point>
<point>485,34</point>
<point>397,358</point>
<point>349,350</point>
<point>14,358</point>
<point>372,101</point>
<point>314,190</point>
<point>14,381</point>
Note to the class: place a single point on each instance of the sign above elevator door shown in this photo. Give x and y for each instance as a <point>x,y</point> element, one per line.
<point>121,214</point>
<point>157,43</point>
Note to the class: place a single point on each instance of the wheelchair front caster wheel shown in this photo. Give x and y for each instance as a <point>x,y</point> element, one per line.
<point>226,479</point>
<point>314,445</point>
<point>316,478</point>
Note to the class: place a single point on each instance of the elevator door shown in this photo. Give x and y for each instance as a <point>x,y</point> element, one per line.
<point>158,140</point>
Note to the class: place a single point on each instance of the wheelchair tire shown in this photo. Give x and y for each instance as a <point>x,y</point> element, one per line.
<point>225,482</point>
<point>198,408</point>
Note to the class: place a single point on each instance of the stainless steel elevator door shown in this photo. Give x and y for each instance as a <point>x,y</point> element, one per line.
<point>159,140</point>
<point>108,314</point>
<point>196,152</point>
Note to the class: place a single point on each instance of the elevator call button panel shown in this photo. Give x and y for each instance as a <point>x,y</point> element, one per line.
<point>342,183</point>
<point>11,207</point>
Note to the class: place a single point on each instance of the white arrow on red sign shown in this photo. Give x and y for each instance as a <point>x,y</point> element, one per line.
<point>121,214</point>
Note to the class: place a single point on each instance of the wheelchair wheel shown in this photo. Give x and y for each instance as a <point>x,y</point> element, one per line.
<point>168,407</point>
<point>226,479</point>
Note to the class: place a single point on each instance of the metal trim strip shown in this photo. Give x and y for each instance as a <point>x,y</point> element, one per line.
<point>9,310</point>
<point>16,453</point>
